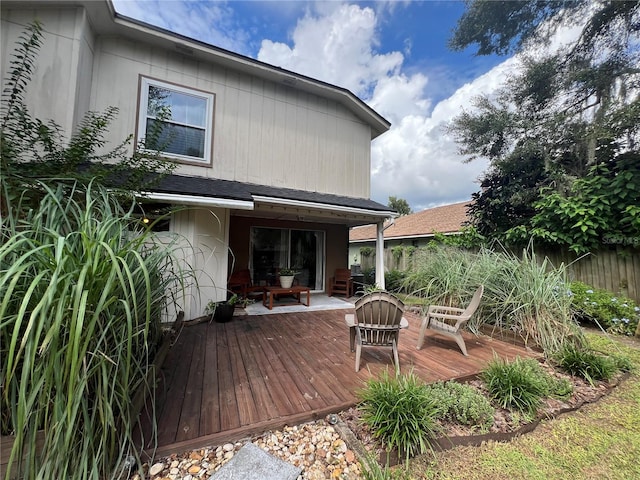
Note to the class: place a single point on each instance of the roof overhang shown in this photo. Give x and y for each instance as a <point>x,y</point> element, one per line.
<point>382,215</point>
<point>263,201</point>
<point>405,237</point>
<point>198,200</point>
<point>282,209</point>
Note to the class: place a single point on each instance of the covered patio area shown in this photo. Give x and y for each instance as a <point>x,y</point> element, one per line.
<point>221,382</point>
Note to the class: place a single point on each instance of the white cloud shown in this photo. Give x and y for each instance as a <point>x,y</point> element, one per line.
<point>336,46</point>
<point>210,22</point>
<point>415,160</point>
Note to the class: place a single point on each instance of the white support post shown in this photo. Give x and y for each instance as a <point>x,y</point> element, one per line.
<point>380,255</point>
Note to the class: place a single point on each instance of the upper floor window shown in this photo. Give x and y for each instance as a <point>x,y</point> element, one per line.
<point>175,120</point>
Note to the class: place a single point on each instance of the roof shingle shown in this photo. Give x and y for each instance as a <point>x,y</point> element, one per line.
<point>217,188</point>
<point>444,219</point>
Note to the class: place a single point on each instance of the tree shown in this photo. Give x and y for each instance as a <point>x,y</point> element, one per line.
<point>400,205</point>
<point>33,151</point>
<point>570,110</point>
<point>508,193</point>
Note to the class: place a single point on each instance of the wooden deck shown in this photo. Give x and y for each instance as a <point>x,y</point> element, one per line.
<point>224,381</point>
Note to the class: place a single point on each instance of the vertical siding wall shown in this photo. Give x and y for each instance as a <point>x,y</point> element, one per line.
<point>203,239</point>
<point>264,133</point>
<point>61,81</point>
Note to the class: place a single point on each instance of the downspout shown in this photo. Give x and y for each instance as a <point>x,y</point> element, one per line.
<point>380,252</point>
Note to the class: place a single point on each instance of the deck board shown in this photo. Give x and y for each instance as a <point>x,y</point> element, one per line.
<point>210,413</point>
<point>226,381</point>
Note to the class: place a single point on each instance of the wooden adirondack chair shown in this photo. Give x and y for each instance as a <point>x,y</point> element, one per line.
<point>376,323</point>
<point>450,320</point>
<point>240,283</point>
<point>341,283</point>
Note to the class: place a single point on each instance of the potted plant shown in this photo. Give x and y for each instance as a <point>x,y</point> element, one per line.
<point>286,277</point>
<point>222,312</point>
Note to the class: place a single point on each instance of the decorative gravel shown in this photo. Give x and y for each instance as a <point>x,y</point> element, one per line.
<point>316,447</point>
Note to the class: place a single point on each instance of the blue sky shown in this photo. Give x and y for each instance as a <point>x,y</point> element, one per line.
<point>392,54</point>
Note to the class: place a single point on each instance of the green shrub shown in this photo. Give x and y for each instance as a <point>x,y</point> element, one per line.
<point>462,404</point>
<point>397,252</point>
<point>393,280</point>
<point>367,251</point>
<point>520,384</point>
<point>586,363</point>
<point>400,412</point>
<point>622,363</point>
<point>614,313</point>
<point>369,276</point>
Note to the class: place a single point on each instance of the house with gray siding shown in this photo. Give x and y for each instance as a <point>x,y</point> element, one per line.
<point>273,166</point>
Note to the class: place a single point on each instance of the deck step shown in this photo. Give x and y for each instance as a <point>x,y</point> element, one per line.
<point>253,463</point>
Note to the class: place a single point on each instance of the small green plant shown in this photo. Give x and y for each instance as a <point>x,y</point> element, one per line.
<point>586,363</point>
<point>367,251</point>
<point>287,272</point>
<point>614,313</point>
<point>372,470</point>
<point>369,275</point>
<point>463,404</point>
<point>518,385</point>
<point>622,362</point>
<point>234,299</point>
<point>400,412</point>
<point>397,252</point>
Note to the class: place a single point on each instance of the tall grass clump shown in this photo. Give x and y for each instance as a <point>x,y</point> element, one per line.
<point>532,298</point>
<point>82,289</point>
<point>525,295</point>
<point>521,384</point>
<point>401,412</point>
<point>588,364</point>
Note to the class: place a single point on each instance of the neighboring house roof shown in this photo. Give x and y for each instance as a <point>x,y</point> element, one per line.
<point>444,219</point>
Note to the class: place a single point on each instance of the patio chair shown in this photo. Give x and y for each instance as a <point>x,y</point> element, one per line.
<point>341,283</point>
<point>241,284</point>
<point>449,321</point>
<point>376,323</point>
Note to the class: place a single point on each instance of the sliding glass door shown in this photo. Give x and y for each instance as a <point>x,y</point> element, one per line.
<point>274,248</point>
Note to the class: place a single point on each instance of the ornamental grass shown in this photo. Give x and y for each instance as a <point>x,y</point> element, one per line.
<point>82,291</point>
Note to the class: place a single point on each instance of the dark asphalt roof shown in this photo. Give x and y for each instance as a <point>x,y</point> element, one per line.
<point>228,189</point>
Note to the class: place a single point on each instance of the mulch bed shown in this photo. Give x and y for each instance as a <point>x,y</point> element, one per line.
<point>505,427</point>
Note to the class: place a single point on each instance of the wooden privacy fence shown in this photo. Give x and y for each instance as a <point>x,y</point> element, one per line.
<point>614,269</point>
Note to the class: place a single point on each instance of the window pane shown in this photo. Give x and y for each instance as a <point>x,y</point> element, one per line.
<point>180,107</point>
<point>177,139</point>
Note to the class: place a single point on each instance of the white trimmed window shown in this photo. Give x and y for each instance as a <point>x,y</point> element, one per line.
<point>177,121</point>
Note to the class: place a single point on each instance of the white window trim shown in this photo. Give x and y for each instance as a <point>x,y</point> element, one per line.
<point>145,83</point>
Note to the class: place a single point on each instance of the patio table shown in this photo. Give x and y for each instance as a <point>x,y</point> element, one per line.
<point>270,292</point>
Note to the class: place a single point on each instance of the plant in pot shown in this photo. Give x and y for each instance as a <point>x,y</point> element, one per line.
<point>222,312</point>
<point>286,277</point>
